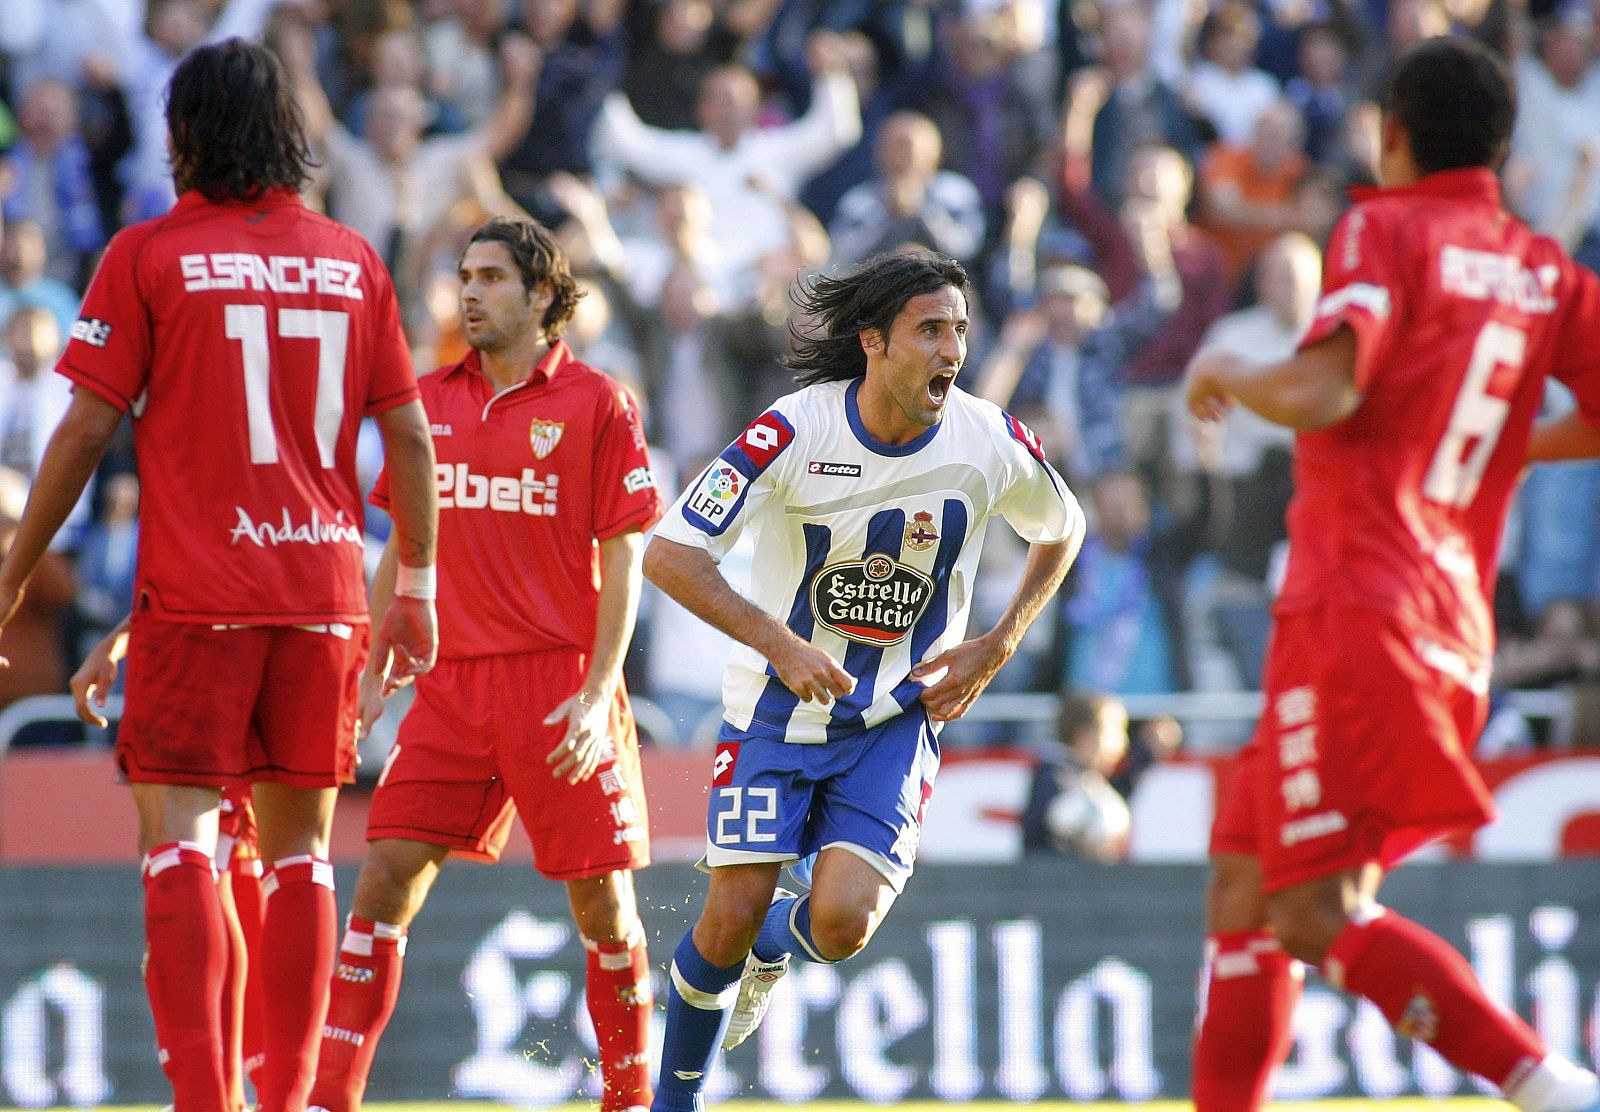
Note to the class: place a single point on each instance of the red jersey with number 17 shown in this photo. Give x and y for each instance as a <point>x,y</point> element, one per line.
<point>530,478</point>
<point>1459,312</point>
<point>248,340</point>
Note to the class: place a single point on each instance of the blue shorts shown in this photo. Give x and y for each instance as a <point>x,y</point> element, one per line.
<point>867,793</point>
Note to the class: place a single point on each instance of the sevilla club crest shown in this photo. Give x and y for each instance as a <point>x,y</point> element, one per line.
<point>544,436</point>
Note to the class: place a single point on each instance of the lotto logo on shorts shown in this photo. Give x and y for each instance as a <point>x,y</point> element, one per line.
<point>722,767</point>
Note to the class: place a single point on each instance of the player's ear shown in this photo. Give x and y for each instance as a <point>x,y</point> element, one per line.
<point>871,340</point>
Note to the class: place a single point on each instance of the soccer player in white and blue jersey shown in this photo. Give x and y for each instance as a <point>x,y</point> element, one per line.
<point>866,493</point>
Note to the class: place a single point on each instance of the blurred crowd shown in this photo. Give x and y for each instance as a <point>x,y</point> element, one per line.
<point>1125,180</point>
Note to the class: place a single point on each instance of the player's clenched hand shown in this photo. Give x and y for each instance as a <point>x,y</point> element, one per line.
<point>810,673</point>
<point>371,706</point>
<point>410,631</point>
<point>578,753</point>
<point>1205,382</point>
<point>91,684</point>
<point>955,678</point>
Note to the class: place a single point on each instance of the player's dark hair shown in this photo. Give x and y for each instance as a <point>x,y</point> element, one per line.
<point>541,261</point>
<point>1456,102</point>
<point>1078,711</point>
<point>826,333</point>
<point>236,127</point>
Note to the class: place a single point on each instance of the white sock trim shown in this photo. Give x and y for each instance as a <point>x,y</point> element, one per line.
<point>705,1001</point>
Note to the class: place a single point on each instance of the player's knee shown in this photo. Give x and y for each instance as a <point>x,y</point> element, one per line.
<point>841,932</point>
<point>390,890</point>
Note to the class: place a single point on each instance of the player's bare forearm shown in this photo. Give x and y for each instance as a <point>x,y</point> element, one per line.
<point>621,580</point>
<point>1567,437</point>
<point>413,497</point>
<point>70,459</point>
<point>381,595</point>
<point>692,580</point>
<point>1046,566</point>
<point>1312,389</point>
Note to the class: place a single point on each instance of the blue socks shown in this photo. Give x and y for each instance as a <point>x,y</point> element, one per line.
<point>700,999</point>
<point>787,930</point>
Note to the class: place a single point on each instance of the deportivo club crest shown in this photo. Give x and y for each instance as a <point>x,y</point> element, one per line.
<point>920,533</point>
<point>544,436</point>
<point>874,601</point>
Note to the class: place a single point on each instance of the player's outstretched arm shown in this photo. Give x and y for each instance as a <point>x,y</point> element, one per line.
<point>73,453</point>
<point>1312,389</point>
<point>956,677</point>
<point>691,578</point>
<point>408,628</point>
<point>588,710</point>
<point>1567,437</point>
<point>97,675</point>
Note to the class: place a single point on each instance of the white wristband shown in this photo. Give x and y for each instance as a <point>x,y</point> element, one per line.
<point>420,582</point>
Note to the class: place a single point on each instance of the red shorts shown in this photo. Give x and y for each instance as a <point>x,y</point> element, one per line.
<point>208,706</point>
<point>236,827</point>
<point>471,754</point>
<point>1362,753</point>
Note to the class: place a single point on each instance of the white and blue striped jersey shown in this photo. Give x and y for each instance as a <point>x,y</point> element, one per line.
<point>865,549</point>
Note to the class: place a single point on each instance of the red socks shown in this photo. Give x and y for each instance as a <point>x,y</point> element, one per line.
<point>366,984</point>
<point>620,1002</point>
<point>297,946</point>
<point>1427,991</point>
<point>186,951</point>
<point>244,877</point>
<point>1246,1008</point>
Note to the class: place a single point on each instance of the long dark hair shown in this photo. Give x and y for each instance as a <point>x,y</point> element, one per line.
<point>825,333</point>
<point>236,128</point>
<point>540,260</point>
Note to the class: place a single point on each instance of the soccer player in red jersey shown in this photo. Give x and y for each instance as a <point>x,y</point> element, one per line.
<point>247,337</point>
<point>544,492</point>
<point>1414,392</point>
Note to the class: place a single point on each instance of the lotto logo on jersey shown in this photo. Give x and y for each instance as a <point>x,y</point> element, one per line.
<point>91,331</point>
<point>875,601</point>
<point>767,436</point>
<point>462,490</point>
<point>726,760</point>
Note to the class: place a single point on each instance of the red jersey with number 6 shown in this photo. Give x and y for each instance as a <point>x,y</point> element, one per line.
<point>248,340</point>
<point>1459,312</point>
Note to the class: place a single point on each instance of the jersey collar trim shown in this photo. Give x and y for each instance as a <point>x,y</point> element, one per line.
<point>873,444</point>
<point>1473,183</point>
<point>272,198</point>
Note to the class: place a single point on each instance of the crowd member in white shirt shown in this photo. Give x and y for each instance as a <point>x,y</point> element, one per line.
<point>1557,136</point>
<point>1225,87</point>
<point>745,171</point>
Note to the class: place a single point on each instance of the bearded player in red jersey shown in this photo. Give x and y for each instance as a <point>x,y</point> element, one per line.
<point>1414,392</point>
<point>544,492</point>
<point>247,337</point>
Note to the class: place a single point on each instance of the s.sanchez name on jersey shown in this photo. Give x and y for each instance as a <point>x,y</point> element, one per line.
<point>865,549</point>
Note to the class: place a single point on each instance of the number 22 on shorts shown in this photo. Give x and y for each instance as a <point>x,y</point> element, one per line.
<point>755,806</point>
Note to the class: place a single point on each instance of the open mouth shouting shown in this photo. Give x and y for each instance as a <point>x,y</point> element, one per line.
<point>939,387</point>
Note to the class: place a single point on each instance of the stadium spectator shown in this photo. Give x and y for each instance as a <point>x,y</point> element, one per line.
<point>1321,90</point>
<point>105,562</point>
<point>34,646</point>
<point>1225,88</point>
<point>1071,808</point>
<point>458,62</point>
<point>673,46</point>
<point>746,172</point>
<point>51,180</point>
<point>1247,192</point>
<point>910,201</point>
<point>32,400</point>
<point>23,281</point>
<point>278,630</point>
<point>399,59</point>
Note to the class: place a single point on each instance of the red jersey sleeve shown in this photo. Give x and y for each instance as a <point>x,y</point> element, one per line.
<point>625,492</point>
<point>1360,284</point>
<point>109,351</point>
<point>1577,356</point>
<point>394,378</point>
